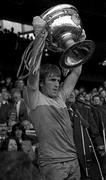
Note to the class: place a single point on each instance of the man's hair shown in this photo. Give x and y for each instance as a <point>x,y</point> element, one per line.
<point>17,165</point>
<point>96,95</point>
<point>47,69</point>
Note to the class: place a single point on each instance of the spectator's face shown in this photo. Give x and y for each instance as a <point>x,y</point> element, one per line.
<point>96,100</point>
<point>103,94</point>
<point>81,90</point>
<point>88,97</point>
<point>18,133</point>
<point>20,84</point>
<point>12,146</point>
<point>81,97</point>
<point>94,90</point>
<point>71,99</point>
<point>100,89</point>
<point>26,125</point>
<point>5,95</point>
<point>16,97</point>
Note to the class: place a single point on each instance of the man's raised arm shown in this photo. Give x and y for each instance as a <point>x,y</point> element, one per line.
<point>71,80</point>
<point>32,89</point>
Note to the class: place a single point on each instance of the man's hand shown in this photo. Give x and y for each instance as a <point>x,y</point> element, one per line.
<point>83,35</point>
<point>38,25</point>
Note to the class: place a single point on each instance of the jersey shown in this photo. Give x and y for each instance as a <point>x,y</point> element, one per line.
<point>54,130</point>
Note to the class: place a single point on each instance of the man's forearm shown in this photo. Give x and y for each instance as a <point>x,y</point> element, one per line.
<point>71,80</point>
<point>38,46</point>
<point>32,81</point>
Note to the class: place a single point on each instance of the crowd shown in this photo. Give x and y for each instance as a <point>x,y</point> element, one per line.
<point>88,113</point>
<point>16,129</point>
<point>17,132</point>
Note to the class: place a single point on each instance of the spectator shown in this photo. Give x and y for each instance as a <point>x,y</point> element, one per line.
<point>102,95</point>
<point>99,114</point>
<point>19,106</point>
<point>95,100</point>
<point>27,125</point>
<point>6,96</point>
<point>17,140</point>
<point>9,83</point>
<point>20,84</point>
<point>84,126</point>
<point>14,139</point>
<point>5,107</point>
<point>88,98</point>
<point>94,91</point>
<point>30,132</point>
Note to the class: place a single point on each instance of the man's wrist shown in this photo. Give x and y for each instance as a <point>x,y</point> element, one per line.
<point>31,84</point>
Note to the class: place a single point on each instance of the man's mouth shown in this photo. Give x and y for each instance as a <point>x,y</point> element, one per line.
<point>55,90</point>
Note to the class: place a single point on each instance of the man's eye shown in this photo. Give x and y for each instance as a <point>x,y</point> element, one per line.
<point>53,79</point>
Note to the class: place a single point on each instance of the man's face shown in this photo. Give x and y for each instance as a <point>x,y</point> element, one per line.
<point>18,133</point>
<point>5,95</point>
<point>26,124</point>
<point>71,99</point>
<point>103,94</point>
<point>96,100</point>
<point>51,86</point>
<point>20,84</point>
<point>16,97</point>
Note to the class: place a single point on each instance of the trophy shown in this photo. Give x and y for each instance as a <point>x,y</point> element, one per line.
<point>67,36</point>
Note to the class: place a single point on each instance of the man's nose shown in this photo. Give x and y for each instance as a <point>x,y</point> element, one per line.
<point>57,83</point>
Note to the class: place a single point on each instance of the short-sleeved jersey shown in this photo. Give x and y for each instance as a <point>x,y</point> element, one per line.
<point>54,130</point>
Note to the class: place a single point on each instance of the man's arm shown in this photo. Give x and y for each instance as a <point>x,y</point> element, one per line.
<point>32,89</point>
<point>71,80</point>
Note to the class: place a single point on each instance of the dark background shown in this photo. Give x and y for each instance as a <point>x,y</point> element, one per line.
<point>93,16</point>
